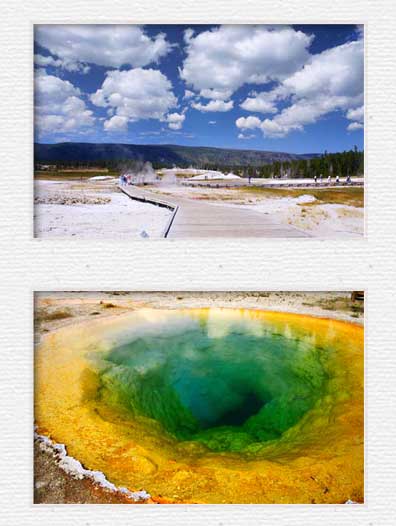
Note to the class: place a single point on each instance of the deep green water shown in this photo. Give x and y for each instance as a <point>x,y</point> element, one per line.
<point>227,392</point>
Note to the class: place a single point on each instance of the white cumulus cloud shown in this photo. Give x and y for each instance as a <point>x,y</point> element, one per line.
<point>69,65</point>
<point>213,105</point>
<point>301,113</point>
<point>222,59</point>
<point>355,126</point>
<point>188,94</point>
<point>337,71</point>
<point>248,123</point>
<point>116,124</point>
<point>104,45</point>
<point>265,102</point>
<point>43,61</point>
<point>330,81</point>
<point>136,94</point>
<point>356,115</point>
<point>175,120</point>
<point>216,94</point>
<point>259,104</point>
<point>245,137</point>
<point>59,107</point>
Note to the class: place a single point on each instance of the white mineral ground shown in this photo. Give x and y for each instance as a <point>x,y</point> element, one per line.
<point>94,209</point>
<point>97,209</point>
<point>322,220</point>
<point>62,479</point>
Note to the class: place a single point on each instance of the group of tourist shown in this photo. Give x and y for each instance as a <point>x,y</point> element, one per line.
<point>348,179</point>
<point>125,180</point>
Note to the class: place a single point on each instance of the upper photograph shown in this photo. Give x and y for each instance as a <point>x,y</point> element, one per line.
<point>198,131</point>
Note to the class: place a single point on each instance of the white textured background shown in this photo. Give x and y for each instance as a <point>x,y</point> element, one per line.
<point>301,264</point>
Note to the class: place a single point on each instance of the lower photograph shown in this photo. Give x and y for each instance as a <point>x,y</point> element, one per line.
<point>199,397</point>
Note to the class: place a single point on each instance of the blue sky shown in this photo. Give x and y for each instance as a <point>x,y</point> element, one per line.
<point>283,88</point>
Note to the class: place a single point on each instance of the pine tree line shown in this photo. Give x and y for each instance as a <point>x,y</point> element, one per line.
<point>342,164</point>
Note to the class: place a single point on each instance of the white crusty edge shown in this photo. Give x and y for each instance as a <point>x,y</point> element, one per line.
<point>74,468</point>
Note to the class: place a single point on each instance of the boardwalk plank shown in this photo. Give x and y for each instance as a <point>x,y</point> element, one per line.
<point>195,219</point>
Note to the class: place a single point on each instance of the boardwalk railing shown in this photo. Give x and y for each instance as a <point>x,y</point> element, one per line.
<point>153,201</point>
<point>272,185</point>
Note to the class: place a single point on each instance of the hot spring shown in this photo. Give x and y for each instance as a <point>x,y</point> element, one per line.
<point>210,405</point>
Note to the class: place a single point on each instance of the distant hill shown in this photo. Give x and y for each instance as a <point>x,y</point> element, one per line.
<point>164,154</point>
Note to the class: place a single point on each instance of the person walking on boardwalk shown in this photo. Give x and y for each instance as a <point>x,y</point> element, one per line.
<point>250,175</point>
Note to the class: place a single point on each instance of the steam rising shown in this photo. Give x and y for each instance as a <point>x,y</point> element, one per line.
<point>141,173</point>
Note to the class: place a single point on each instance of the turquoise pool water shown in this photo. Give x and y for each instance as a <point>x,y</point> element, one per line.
<point>227,391</point>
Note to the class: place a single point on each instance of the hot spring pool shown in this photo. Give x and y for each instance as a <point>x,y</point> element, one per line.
<point>210,405</point>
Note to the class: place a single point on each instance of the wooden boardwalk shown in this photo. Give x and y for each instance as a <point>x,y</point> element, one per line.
<point>293,185</point>
<point>195,219</point>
